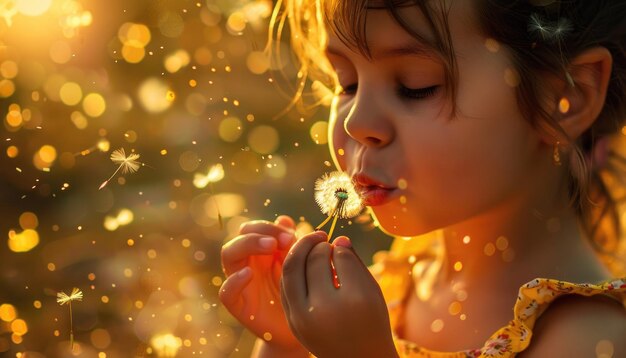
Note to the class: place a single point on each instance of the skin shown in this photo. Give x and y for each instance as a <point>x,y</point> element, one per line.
<point>481,171</point>
<point>317,310</point>
<point>253,264</point>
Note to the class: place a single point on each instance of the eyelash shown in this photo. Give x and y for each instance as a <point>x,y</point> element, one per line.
<point>410,93</point>
<point>419,93</point>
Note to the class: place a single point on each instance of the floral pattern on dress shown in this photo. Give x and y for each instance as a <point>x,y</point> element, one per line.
<point>498,346</point>
<point>617,284</point>
<point>529,310</point>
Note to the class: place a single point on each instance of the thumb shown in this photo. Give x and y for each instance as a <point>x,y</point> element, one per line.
<point>343,241</point>
<point>285,221</point>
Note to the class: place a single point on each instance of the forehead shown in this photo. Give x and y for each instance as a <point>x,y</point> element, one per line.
<point>383,37</point>
<point>372,29</point>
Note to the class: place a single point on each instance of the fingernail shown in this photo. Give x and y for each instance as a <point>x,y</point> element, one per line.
<point>322,233</point>
<point>285,239</point>
<point>342,241</point>
<point>267,242</point>
<point>244,272</point>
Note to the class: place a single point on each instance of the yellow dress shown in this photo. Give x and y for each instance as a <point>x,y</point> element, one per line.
<point>394,270</point>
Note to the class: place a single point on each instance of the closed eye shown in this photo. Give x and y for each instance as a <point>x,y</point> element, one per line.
<point>409,93</point>
<point>417,93</point>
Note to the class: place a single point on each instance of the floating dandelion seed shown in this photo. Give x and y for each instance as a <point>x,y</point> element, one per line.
<point>126,164</point>
<point>563,27</point>
<point>553,31</point>
<point>63,298</point>
<point>215,174</point>
<point>336,196</point>
<point>538,25</point>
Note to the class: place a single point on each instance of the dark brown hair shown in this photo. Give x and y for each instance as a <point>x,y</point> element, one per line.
<point>542,36</point>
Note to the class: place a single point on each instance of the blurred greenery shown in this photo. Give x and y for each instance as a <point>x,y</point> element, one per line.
<point>184,85</point>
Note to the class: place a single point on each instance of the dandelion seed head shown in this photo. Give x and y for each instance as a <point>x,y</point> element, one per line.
<point>563,28</point>
<point>552,31</point>
<point>538,25</point>
<point>334,187</point>
<point>128,163</point>
<point>63,298</point>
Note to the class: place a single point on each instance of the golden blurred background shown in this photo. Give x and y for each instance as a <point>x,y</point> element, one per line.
<point>185,86</point>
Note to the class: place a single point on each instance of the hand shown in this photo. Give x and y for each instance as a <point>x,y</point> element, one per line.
<point>253,263</point>
<point>349,321</point>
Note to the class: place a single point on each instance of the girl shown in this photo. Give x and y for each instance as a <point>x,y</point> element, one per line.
<point>486,127</point>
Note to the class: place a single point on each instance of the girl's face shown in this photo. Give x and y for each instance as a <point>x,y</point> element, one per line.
<point>421,165</point>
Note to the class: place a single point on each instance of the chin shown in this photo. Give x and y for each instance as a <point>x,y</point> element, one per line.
<point>398,227</point>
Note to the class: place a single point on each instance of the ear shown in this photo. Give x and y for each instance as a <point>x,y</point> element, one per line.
<point>581,100</point>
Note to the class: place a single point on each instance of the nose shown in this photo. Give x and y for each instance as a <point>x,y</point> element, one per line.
<point>369,121</point>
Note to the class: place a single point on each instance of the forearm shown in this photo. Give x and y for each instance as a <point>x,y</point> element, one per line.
<point>264,350</point>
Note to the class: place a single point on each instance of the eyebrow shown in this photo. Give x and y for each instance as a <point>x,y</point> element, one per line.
<point>412,49</point>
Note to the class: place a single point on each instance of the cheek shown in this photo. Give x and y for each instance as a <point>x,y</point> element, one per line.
<point>467,166</point>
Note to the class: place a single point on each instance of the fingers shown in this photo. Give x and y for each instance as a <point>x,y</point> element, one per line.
<point>286,307</point>
<point>236,252</point>
<point>285,221</point>
<point>231,291</point>
<point>284,234</point>
<point>342,241</point>
<point>350,269</point>
<point>318,272</point>
<point>294,268</point>
<point>258,238</point>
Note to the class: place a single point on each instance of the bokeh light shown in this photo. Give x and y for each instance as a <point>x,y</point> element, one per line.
<point>230,129</point>
<point>32,7</point>
<point>23,241</point>
<point>236,22</point>
<point>177,60</point>
<point>71,93</point>
<point>12,151</point>
<point>94,105</point>
<point>7,312</point>
<point>319,132</point>
<point>257,62</point>
<point>166,345</point>
<point>45,157</point>
<point>153,95</point>
<point>60,52</point>
<point>263,139</point>
<point>188,87</point>
<point>7,88</point>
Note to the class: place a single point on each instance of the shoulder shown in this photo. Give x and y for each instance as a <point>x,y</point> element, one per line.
<point>575,326</point>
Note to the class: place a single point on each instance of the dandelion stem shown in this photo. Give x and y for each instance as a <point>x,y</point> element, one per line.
<point>335,214</point>
<point>324,222</point>
<point>71,328</point>
<point>219,214</point>
<point>111,177</point>
<point>115,172</point>
<point>332,227</point>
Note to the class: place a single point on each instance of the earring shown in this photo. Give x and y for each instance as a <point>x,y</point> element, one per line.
<point>556,154</point>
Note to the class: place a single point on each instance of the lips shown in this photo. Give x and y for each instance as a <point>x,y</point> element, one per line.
<point>373,192</point>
